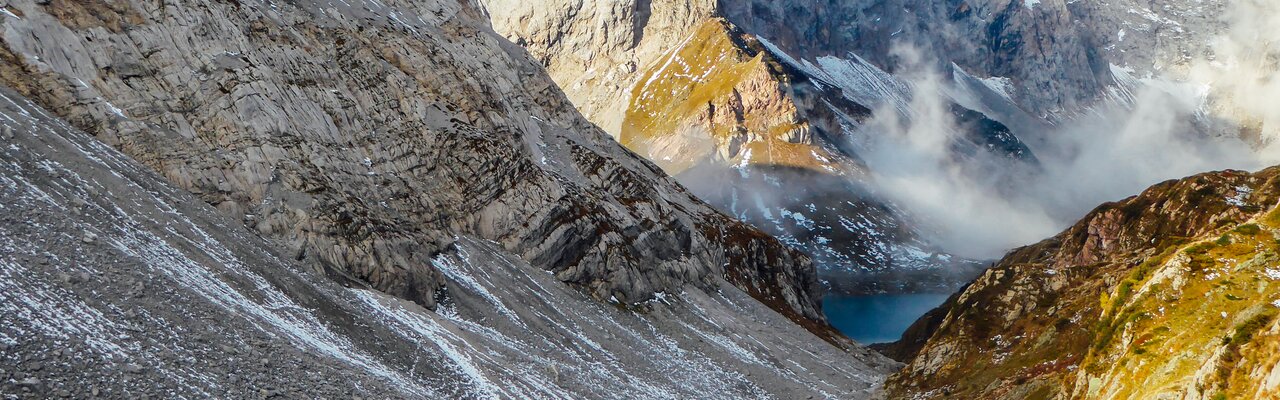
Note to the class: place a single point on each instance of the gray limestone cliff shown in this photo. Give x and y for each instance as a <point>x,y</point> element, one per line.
<point>115,283</point>
<point>369,135</point>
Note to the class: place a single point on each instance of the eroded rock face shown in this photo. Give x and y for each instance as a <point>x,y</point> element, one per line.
<point>116,283</point>
<point>1134,301</point>
<point>369,135</point>
<point>1058,54</point>
<point>750,126</point>
<point>722,99</point>
<point>595,49</point>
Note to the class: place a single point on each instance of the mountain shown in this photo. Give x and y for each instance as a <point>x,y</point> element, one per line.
<point>566,199</point>
<point>1168,294</point>
<point>762,135</point>
<point>372,166</point>
<point>922,123</point>
<point>1056,55</point>
<point>402,149</point>
<point>116,283</point>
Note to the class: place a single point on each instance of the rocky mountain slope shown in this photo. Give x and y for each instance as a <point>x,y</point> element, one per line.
<point>367,135</point>
<point>1168,294</point>
<point>398,146</point>
<point>761,135</point>
<point>1056,55</point>
<point>115,283</point>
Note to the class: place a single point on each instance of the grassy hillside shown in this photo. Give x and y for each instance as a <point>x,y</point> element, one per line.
<point>1169,294</point>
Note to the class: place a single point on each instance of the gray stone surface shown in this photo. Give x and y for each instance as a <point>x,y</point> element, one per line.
<point>174,299</point>
<point>1057,53</point>
<point>368,134</point>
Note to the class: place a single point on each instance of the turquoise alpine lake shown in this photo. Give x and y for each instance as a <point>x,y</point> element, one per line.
<point>878,318</point>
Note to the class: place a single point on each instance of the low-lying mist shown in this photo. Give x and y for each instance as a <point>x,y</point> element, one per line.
<point>1217,112</point>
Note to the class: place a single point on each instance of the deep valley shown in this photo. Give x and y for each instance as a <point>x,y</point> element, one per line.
<point>640,199</point>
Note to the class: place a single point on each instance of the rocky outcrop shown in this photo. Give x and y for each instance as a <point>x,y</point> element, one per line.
<point>595,50</point>
<point>721,99</point>
<point>114,283</point>
<point>1167,294</point>
<point>369,135</point>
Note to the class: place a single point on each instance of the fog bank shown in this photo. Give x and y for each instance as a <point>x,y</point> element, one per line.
<point>1217,112</point>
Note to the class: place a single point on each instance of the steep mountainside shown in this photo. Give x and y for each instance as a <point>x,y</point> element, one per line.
<point>116,284</point>
<point>1048,60</point>
<point>749,128</point>
<point>825,86</point>
<point>1169,294</point>
<point>720,97</point>
<point>1056,54</point>
<point>368,135</point>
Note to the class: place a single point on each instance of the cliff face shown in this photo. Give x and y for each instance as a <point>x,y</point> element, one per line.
<point>1170,293</point>
<point>720,98</point>
<point>115,283</point>
<point>369,135</point>
<point>1057,54</point>
<point>595,50</point>
<point>399,148</point>
<point>739,114</point>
